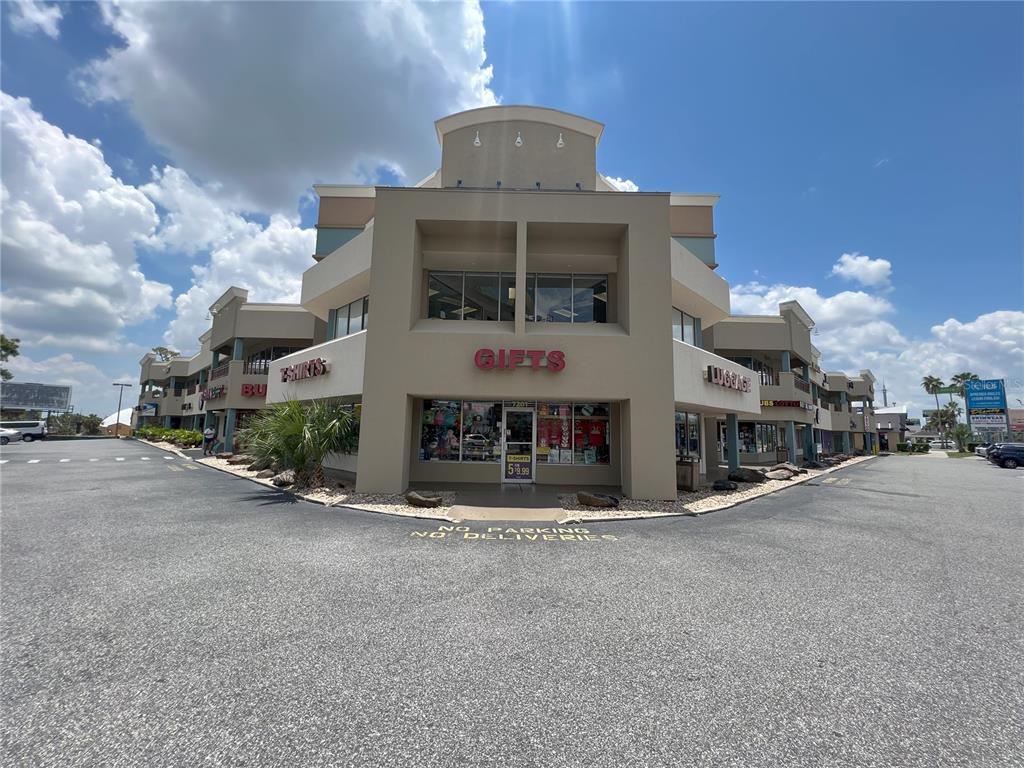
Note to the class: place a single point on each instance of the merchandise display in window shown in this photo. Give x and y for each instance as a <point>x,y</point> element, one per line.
<point>441,430</point>
<point>481,431</point>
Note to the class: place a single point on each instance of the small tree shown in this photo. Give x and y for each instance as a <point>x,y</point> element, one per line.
<point>298,437</point>
<point>8,349</point>
<point>164,354</point>
<point>963,435</point>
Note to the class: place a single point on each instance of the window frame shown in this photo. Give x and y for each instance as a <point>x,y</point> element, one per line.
<point>532,279</point>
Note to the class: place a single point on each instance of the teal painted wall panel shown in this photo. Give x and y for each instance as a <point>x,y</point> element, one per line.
<point>329,239</point>
<point>701,247</point>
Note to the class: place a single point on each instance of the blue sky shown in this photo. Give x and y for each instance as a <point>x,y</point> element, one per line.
<point>891,133</point>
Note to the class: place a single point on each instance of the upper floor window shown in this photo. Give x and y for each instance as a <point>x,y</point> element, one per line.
<point>259,362</point>
<point>684,327</point>
<point>567,298</point>
<point>351,318</point>
<point>471,295</point>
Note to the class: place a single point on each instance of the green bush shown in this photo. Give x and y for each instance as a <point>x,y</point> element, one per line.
<point>903,447</point>
<point>922,448</point>
<point>299,437</point>
<point>187,438</point>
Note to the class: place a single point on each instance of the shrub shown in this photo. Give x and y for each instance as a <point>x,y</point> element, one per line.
<point>903,447</point>
<point>922,448</point>
<point>296,436</point>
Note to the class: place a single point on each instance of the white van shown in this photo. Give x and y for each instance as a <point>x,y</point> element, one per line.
<point>30,430</point>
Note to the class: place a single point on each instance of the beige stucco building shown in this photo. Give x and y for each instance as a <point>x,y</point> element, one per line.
<point>226,380</point>
<point>514,318</point>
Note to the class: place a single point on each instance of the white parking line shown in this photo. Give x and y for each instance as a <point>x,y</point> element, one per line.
<point>33,461</point>
<point>145,458</point>
<point>64,461</point>
<point>93,459</point>
<point>168,458</point>
<point>119,458</point>
<point>4,461</point>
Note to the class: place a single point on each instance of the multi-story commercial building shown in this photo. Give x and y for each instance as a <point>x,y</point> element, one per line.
<point>529,323</point>
<point>226,381</point>
<point>891,422</point>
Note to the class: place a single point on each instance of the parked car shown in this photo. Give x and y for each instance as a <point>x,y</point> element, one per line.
<point>1008,455</point>
<point>9,435</point>
<point>980,449</point>
<point>30,430</point>
<point>940,445</point>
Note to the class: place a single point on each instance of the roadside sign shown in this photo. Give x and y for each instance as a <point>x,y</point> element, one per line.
<point>986,404</point>
<point>950,390</point>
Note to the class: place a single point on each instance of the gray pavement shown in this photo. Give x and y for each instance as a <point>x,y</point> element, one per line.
<point>158,615</point>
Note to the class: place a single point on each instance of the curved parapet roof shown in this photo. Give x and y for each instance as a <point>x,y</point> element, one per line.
<point>503,113</point>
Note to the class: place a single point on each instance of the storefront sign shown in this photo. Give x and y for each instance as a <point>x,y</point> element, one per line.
<point>318,366</point>
<point>212,393</point>
<point>518,466</point>
<point>486,359</point>
<point>254,390</point>
<point>781,404</point>
<point>986,404</point>
<point>728,379</point>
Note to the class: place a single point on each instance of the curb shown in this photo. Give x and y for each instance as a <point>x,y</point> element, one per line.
<point>334,504</point>
<point>175,451</point>
<point>703,512</point>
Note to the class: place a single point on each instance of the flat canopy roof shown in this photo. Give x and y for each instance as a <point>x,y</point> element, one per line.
<point>503,113</point>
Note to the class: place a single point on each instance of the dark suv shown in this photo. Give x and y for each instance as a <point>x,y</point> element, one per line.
<point>1008,455</point>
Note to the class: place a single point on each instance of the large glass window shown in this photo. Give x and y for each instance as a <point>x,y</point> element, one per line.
<point>567,298</point>
<point>481,431</point>
<point>471,295</point>
<point>454,430</point>
<point>351,318</point>
<point>687,435</point>
<point>441,430</point>
<point>684,327</point>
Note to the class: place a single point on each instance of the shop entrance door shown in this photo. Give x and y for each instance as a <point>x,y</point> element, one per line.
<point>518,456</point>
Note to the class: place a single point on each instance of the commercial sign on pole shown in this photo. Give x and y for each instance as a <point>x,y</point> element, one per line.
<point>35,397</point>
<point>986,404</point>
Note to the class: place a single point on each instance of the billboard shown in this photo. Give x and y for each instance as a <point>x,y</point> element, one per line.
<point>986,404</point>
<point>35,397</point>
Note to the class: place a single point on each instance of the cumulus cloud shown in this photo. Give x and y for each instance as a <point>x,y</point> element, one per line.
<point>863,269</point>
<point>267,261</point>
<point>622,185</point>
<point>69,234</point>
<point>854,330</point>
<point>330,94</point>
<point>30,16</point>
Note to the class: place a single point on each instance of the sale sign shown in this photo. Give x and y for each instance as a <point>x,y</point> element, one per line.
<point>518,466</point>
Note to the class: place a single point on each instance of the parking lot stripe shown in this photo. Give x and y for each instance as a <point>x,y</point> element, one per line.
<point>4,461</point>
<point>168,458</point>
<point>33,461</point>
<point>119,458</point>
<point>145,458</point>
<point>191,466</point>
<point>64,461</point>
<point>93,459</point>
<point>173,468</point>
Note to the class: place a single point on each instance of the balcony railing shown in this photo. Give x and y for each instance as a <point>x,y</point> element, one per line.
<point>220,371</point>
<point>191,390</point>
<point>802,385</point>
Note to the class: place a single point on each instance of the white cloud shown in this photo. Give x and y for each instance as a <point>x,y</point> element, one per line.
<point>268,262</point>
<point>69,234</point>
<point>268,101</point>
<point>863,269</point>
<point>622,185</point>
<point>853,331</point>
<point>29,16</point>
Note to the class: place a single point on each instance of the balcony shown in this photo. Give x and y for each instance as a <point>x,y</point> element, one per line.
<point>693,390</point>
<point>789,388</point>
<point>344,376</point>
<point>220,371</point>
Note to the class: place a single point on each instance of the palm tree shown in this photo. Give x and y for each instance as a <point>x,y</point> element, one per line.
<point>932,385</point>
<point>960,379</point>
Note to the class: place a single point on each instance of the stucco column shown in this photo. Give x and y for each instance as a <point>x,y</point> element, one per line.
<point>238,349</point>
<point>846,442</point>
<point>787,363</point>
<point>520,312</point>
<point>167,422</point>
<point>791,440</point>
<point>732,436</point>
<point>215,359</point>
<point>809,442</point>
<point>229,429</point>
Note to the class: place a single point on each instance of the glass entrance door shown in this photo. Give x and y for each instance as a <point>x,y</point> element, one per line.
<point>517,448</point>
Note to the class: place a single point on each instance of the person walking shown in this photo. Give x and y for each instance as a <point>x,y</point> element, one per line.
<point>209,435</point>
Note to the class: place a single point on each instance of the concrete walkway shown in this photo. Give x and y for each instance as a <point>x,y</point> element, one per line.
<point>508,501</point>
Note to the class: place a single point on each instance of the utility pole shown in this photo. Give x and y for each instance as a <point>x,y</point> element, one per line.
<point>885,396</point>
<point>117,416</point>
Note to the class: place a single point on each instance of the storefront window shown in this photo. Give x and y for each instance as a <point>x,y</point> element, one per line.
<point>748,440</point>
<point>481,431</point>
<point>687,435</point>
<point>554,433</point>
<point>590,298</point>
<point>590,433</point>
<point>444,295</point>
<point>441,429</point>
<point>481,296</point>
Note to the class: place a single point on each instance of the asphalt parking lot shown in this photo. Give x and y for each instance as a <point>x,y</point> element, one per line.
<point>156,612</point>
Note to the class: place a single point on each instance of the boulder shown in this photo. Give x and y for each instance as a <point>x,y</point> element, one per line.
<point>596,499</point>
<point>746,475</point>
<point>284,478</point>
<point>224,455</point>
<point>240,459</point>
<point>788,467</point>
<point>419,500</point>
<point>724,485</point>
<point>812,465</point>
<point>779,474</point>
<point>261,464</point>
<point>265,473</point>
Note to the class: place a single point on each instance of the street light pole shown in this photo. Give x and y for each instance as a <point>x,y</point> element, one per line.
<point>117,416</point>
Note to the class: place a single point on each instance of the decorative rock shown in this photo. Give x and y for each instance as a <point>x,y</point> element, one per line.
<point>596,499</point>
<point>812,465</point>
<point>724,485</point>
<point>747,475</point>
<point>224,455</point>
<point>240,459</point>
<point>261,464</point>
<point>779,474</point>
<point>788,467</point>
<point>265,473</point>
<point>285,478</point>
<point>419,500</point>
